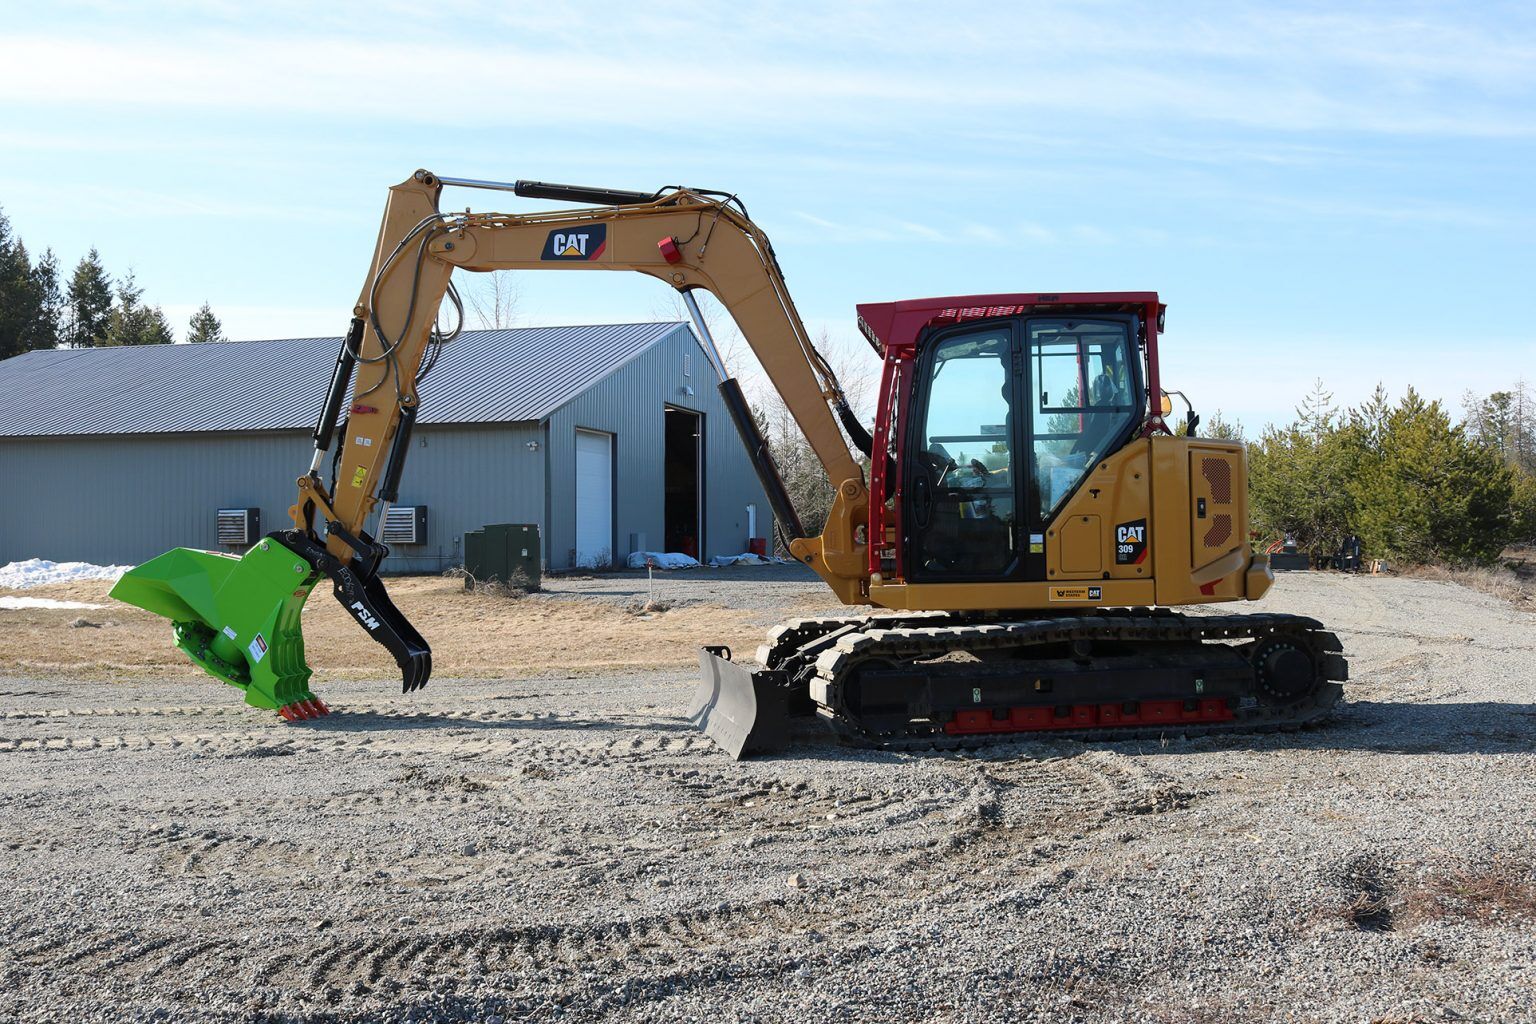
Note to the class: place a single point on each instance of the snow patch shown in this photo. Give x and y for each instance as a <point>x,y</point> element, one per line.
<point>11,604</point>
<point>34,572</point>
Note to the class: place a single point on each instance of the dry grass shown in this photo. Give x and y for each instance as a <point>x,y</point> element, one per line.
<point>1512,579</point>
<point>473,634</point>
<point>519,586</point>
<point>1500,891</point>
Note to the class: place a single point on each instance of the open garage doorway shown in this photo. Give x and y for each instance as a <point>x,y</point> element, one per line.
<point>683,483</point>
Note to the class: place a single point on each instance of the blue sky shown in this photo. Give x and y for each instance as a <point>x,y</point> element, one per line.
<point>1329,190</point>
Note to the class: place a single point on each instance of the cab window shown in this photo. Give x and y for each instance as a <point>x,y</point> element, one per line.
<point>962,497</point>
<point>1082,401</point>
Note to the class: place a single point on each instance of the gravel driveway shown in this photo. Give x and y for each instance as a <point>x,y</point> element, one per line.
<point>567,849</point>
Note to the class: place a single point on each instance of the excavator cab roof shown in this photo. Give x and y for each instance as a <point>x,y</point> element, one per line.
<point>897,325</point>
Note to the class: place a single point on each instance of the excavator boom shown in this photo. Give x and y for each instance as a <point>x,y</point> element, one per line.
<point>690,239</point>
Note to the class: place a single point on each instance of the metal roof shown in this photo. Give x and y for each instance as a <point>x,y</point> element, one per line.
<point>500,376</point>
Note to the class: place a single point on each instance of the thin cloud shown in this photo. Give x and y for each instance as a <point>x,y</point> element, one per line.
<point>1252,67</point>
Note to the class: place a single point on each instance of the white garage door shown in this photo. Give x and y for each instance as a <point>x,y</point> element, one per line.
<point>594,498</point>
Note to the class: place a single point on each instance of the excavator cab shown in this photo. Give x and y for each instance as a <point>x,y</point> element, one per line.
<point>1008,418</point>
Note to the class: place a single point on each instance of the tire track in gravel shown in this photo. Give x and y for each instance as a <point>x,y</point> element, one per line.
<point>442,742</point>
<point>1028,794</point>
<point>131,956</point>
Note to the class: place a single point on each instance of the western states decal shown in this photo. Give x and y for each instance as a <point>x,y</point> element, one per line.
<point>580,244</point>
<point>1077,594</point>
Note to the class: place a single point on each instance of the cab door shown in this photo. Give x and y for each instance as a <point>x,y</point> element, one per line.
<point>1008,419</point>
<point>962,475</point>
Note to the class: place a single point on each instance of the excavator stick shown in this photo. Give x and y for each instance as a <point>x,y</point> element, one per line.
<point>745,712</point>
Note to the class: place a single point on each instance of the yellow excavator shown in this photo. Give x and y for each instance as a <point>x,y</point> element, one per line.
<point>1021,519</point>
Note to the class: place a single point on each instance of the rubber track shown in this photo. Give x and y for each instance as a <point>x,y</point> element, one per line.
<point>893,640</point>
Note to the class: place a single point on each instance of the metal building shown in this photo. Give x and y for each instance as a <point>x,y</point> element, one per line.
<point>611,437</point>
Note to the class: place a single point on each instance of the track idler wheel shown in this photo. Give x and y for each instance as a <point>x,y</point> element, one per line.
<point>1284,672</point>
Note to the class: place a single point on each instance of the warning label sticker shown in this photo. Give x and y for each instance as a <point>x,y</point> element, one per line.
<point>258,648</point>
<point>1077,593</point>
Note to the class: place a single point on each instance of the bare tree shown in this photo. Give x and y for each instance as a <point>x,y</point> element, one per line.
<point>492,302</point>
<point>809,489</point>
<point>735,353</point>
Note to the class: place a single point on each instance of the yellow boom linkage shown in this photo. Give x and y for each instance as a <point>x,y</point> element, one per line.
<point>238,618</point>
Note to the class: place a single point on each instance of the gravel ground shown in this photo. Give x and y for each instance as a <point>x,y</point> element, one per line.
<point>562,849</point>
<point>770,589</point>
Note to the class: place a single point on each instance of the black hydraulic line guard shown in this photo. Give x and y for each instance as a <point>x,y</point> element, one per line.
<point>580,193</point>
<point>856,431</point>
<point>762,458</point>
<point>745,712</point>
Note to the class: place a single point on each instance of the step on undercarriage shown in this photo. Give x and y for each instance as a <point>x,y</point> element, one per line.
<point>935,679</point>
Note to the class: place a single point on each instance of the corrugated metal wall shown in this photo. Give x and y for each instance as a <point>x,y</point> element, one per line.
<point>124,499</point>
<point>631,403</point>
<point>121,500</point>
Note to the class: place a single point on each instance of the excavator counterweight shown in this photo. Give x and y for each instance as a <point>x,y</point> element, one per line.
<point>1020,517</point>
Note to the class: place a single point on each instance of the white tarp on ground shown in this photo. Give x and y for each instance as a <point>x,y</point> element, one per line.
<point>11,603</point>
<point>34,572</point>
<point>662,560</point>
<point>745,558</point>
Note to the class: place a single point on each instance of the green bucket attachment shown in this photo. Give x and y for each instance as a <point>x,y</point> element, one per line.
<point>238,618</point>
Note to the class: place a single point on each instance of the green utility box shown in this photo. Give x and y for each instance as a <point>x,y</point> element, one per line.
<point>506,553</point>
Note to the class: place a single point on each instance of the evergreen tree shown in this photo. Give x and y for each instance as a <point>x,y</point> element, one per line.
<point>50,311</point>
<point>1433,494</point>
<point>88,303</point>
<point>1296,483</point>
<point>204,326</point>
<point>1217,427</point>
<point>1222,429</point>
<point>134,323</point>
<point>1316,413</point>
<point>1523,510</point>
<point>18,299</point>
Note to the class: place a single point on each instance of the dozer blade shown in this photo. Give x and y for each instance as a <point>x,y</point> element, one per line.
<point>745,712</point>
<point>237,618</point>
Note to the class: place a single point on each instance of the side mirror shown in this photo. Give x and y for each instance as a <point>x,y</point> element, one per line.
<point>1166,406</point>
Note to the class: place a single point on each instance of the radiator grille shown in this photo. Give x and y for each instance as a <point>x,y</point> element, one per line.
<point>1220,531</point>
<point>1218,473</point>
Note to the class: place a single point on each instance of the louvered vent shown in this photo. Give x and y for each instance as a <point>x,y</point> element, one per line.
<point>239,527</point>
<point>405,524</point>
